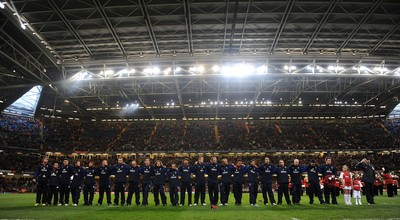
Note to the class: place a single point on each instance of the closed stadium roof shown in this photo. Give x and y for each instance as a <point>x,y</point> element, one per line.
<point>164,59</point>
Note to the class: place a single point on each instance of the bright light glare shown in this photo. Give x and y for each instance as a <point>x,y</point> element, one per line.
<point>335,68</point>
<point>193,69</point>
<point>81,75</point>
<point>2,6</point>
<point>122,72</point>
<point>380,69</point>
<point>215,68</point>
<point>156,70</point>
<point>238,70</point>
<point>108,72</point>
<point>23,26</point>
<point>129,108</point>
<point>178,69</point>
<point>167,71</point>
<point>132,71</point>
<point>134,105</point>
<point>363,68</point>
<point>289,67</point>
<point>147,71</point>
<point>262,69</point>
<point>200,69</point>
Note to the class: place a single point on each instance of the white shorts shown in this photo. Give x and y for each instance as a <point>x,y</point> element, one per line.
<point>356,194</point>
<point>347,187</point>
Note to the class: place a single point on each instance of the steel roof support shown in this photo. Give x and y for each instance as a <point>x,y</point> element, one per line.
<point>70,27</point>
<point>359,25</point>
<point>320,25</point>
<point>110,27</point>
<point>282,25</point>
<point>149,26</point>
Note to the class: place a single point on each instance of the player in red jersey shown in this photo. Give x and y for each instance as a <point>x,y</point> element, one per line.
<point>357,186</point>
<point>346,177</point>
<point>388,179</point>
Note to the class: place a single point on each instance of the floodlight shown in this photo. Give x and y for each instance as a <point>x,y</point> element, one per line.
<point>147,71</point>
<point>262,69</point>
<point>238,70</point>
<point>200,68</point>
<point>215,68</point>
<point>167,71</point>
<point>156,70</point>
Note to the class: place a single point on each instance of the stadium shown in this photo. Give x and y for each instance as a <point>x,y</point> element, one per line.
<point>199,109</point>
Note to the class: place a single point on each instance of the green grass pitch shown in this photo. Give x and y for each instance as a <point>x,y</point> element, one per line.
<point>21,206</point>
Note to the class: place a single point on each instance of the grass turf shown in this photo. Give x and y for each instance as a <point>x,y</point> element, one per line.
<point>13,206</point>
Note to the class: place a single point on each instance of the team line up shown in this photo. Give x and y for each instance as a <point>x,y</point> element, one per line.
<point>53,180</point>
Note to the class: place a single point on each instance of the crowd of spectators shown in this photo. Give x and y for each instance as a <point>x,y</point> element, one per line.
<point>16,131</point>
<point>56,135</point>
<point>17,185</point>
<point>18,162</point>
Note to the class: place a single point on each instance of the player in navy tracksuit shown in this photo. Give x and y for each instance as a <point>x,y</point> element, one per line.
<point>238,180</point>
<point>212,171</point>
<point>282,173</point>
<point>226,170</point>
<point>120,170</point>
<point>199,170</point>
<point>186,182</point>
<point>328,173</point>
<point>266,172</point>
<point>54,180</point>
<point>89,184</point>
<point>173,181</point>
<point>147,172</point>
<point>65,173</point>
<point>104,173</point>
<point>42,175</point>
<point>252,181</point>
<point>160,174</point>
<point>134,180</point>
<point>295,171</point>
<point>313,182</point>
<point>76,184</point>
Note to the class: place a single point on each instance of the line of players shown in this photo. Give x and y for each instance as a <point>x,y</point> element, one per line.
<point>54,180</point>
